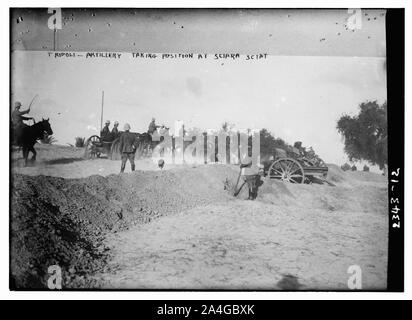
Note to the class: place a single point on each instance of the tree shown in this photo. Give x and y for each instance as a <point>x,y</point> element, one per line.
<point>268,143</point>
<point>365,135</point>
<point>79,142</point>
<point>227,127</point>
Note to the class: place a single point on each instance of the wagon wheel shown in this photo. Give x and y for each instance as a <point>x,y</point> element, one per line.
<point>90,149</point>
<point>287,169</point>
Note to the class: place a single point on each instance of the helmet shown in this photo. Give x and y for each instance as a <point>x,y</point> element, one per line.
<point>116,123</point>
<point>107,122</point>
<point>17,104</point>
<point>126,127</point>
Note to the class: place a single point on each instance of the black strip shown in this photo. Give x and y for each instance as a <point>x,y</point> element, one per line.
<point>395,53</point>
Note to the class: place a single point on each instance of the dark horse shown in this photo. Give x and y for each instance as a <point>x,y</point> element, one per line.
<point>145,144</point>
<point>27,137</point>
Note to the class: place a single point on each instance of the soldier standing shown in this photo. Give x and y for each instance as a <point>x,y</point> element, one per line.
<point>127,147</point>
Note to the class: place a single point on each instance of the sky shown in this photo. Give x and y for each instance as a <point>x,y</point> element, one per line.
<point>309,77</point>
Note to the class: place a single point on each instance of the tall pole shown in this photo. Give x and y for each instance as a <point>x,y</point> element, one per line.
<point>54,39</point>
<point>101,117</point>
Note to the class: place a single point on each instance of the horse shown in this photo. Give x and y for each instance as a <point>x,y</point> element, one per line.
<point>29,135</point>
<point>144,144</point>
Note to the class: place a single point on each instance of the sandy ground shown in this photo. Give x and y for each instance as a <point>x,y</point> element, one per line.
<point>252,245</point>
<point>291,237</point>
<point>69,162</point>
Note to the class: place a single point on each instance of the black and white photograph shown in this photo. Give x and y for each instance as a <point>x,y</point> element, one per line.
<point>222,149</point>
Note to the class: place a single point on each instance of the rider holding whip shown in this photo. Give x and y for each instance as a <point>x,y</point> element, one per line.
<point>17,117</point>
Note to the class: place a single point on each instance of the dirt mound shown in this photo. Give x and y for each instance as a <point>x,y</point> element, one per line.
<point>350,178</point>
<point>335,174</point>
<point>63,221</point>
<point>325,197</point>
<point>67,221</point>
<point>368,176</point>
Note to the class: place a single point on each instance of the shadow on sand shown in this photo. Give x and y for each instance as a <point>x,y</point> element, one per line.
<point>289,283</point>
<point>321,181</point>
<point>62,161</point>
<point>19,162</point>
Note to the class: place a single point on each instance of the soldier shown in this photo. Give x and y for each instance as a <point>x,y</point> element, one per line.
<point>251,176</point>
<point>17,116</point>
<point>300,151</point>
<point>115,130</point>
<point>127,147</point>
<point>105,133</point>
<point>152,126</point>
<point>17,119</point>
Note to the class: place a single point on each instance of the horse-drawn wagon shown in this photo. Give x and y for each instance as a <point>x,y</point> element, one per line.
<point>97,146</point>
<point>295,166</point>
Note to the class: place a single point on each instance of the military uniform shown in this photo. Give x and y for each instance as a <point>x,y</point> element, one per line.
<point>17,119</point>
<point>152,127</point>
<point>127,147</point>
<point>105,133</point>
<point>250,176</point>
<point>115,132</point>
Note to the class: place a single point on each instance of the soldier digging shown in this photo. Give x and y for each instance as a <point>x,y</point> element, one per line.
<point>250,174</point>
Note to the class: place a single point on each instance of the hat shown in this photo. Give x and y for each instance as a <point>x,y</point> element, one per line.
<point>126,127</point>
<point>17,104</point>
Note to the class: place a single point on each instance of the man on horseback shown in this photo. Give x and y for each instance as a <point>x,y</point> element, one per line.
<point>152,126</point>
<point>17,118</point>
<point>105,133</point>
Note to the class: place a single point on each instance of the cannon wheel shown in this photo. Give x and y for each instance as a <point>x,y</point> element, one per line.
<point>288,170</point>
<point>90,150</point>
